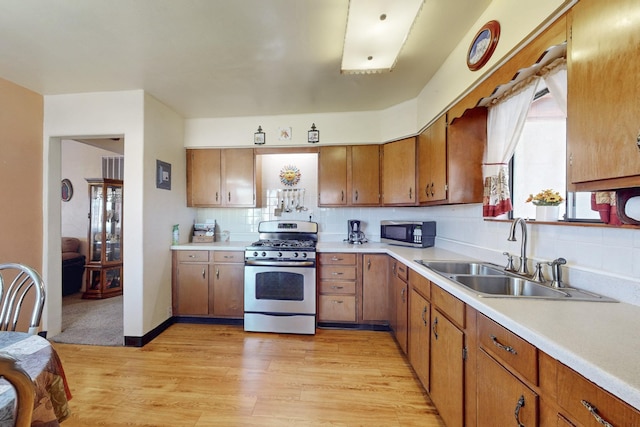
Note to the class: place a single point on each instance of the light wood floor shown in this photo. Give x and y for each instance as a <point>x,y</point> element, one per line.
<point>213,375</point>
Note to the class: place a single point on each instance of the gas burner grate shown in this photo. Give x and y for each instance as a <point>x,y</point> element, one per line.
<point>276,244</point>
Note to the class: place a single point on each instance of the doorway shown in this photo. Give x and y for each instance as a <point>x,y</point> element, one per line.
<point>86,321</point>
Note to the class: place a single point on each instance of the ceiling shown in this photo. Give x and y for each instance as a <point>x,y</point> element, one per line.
<point>218,58</point>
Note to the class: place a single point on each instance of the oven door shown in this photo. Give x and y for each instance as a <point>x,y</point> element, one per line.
<point>280,290</point>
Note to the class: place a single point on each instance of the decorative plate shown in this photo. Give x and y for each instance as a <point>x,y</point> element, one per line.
<point>290,175</point>
<point>67,190</point>
<point>483,45</point>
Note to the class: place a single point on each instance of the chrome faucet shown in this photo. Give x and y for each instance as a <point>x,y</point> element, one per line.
<point>522,268</point>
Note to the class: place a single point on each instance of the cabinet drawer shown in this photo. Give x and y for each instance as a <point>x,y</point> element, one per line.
<point>575,393</point>
<point>420,283</point>
<point>193,256</point>
<point>448,304</point>
<point>402,271</point>
<point>509,348</point>
<point>337,273</point>
<point>337,259</point>
<point>337,287</point>
<point>337,308</point>
<point>228,256</point>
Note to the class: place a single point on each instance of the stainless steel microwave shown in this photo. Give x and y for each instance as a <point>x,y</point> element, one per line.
<point>418,234</point>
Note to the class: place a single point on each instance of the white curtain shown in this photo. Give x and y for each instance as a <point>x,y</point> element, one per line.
<point>555,77</point>
<point>504,126</point>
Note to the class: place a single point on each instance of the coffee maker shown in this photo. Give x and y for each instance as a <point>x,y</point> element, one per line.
<point>354,232</point>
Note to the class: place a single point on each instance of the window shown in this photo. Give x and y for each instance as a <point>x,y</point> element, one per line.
<point>539,161</point>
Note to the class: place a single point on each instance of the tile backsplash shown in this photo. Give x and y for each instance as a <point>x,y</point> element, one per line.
<point>604,260</point>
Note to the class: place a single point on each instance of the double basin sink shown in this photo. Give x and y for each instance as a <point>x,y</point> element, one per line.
<point>489,280</point>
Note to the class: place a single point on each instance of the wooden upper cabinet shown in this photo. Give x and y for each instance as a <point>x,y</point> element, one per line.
<point>432,162</point>
<point>399,172</point>
<point>221,177</point>
<point>332,176</point>
<point>238,175</point>
<point>203,178</point>
<point>349,175</point>
<point>466,141</point>
<point>603,118</point>
<point>365,175</point>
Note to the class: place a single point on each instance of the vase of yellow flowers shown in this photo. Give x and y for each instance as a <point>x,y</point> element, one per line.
<point>547,205</point>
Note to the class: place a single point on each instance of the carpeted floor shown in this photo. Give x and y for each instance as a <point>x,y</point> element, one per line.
<point>93,322</point>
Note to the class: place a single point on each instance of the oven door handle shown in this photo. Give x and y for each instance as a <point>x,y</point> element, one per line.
<point>280,263</point>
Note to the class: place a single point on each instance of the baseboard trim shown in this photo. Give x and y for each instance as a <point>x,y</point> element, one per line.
<point>149,336</point>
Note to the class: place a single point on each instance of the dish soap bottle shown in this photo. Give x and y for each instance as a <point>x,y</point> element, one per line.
<point>176,235</point>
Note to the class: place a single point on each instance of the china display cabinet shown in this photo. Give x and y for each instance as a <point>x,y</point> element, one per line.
<point>104,261</point>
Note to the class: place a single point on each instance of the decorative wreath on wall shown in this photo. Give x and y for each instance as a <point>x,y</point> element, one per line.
<point>290,175</point>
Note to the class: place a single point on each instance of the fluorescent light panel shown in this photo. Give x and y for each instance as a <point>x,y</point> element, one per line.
<point>369,36</point>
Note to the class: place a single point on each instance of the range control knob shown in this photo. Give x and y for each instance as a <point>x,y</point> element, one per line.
<point>255,254</point>
<point>264,254</point>
<point>295,254</point>
<point>279,254</point>
<point>304,254</point>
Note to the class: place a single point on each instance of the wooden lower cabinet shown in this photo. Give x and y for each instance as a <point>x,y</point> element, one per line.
<point>503,400</point>
<point>337,284</point>
<point>419,336</point>
<point>375,304</point>
<point>226,285</point>
<point>447,369</point>
<point>192,292</point>
<point>399,302</point>
<point>208,284</point>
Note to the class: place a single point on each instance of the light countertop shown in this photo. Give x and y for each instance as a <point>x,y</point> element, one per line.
<point>599,340</point>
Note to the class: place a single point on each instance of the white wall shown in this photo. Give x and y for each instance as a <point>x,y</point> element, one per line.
<point>84,115</point>
<point>163,132</point>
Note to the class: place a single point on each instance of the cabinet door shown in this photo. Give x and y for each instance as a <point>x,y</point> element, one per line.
<point>192,289</point>
<point>365,175</point>
<point>603,116</point>
<point>466,141</point>
<point>228,290</point>
<point>447,370</point>
<point>419,336</point>
<point>239,179</point>
<point>502,399</point>
<point>402,309</point>
<point>399,172</point>
<point>375,288</point>
<point>432,162</point>
<point>203,178</point>
<point>332,176</point>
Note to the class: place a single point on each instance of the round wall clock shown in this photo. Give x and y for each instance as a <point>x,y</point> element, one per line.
<point>483,45</point>
<point>290,175</point>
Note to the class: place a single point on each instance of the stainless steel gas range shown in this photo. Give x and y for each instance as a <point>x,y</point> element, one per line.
<point>280,278</point>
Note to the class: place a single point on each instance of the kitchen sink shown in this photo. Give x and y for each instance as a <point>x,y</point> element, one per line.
<point>492,281</point>
<point>508,286</point>
<point>462,267</point>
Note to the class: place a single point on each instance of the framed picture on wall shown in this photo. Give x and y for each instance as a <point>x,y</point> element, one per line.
<point>163,175</point>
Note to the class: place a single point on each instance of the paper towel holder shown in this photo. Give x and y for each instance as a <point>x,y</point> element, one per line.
<point>625,198</point>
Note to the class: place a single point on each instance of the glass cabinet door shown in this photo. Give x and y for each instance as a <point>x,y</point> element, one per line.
<point>95,226</point>
<point>113,214</point>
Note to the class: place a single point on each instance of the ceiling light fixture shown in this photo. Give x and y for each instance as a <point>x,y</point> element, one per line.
<point>376,33</point>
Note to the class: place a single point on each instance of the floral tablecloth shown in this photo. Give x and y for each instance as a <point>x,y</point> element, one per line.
<point>36,356</point>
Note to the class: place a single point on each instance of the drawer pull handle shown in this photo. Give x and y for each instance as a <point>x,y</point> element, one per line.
<point>335,301</point>
<point>337,273</point>
<point>594,412</point>
<point>502,346</point>
<point>335,258</point>
<point>192,256</point>
<point>519,405</point>
<point>337,287</point>
<point>434,328</point>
